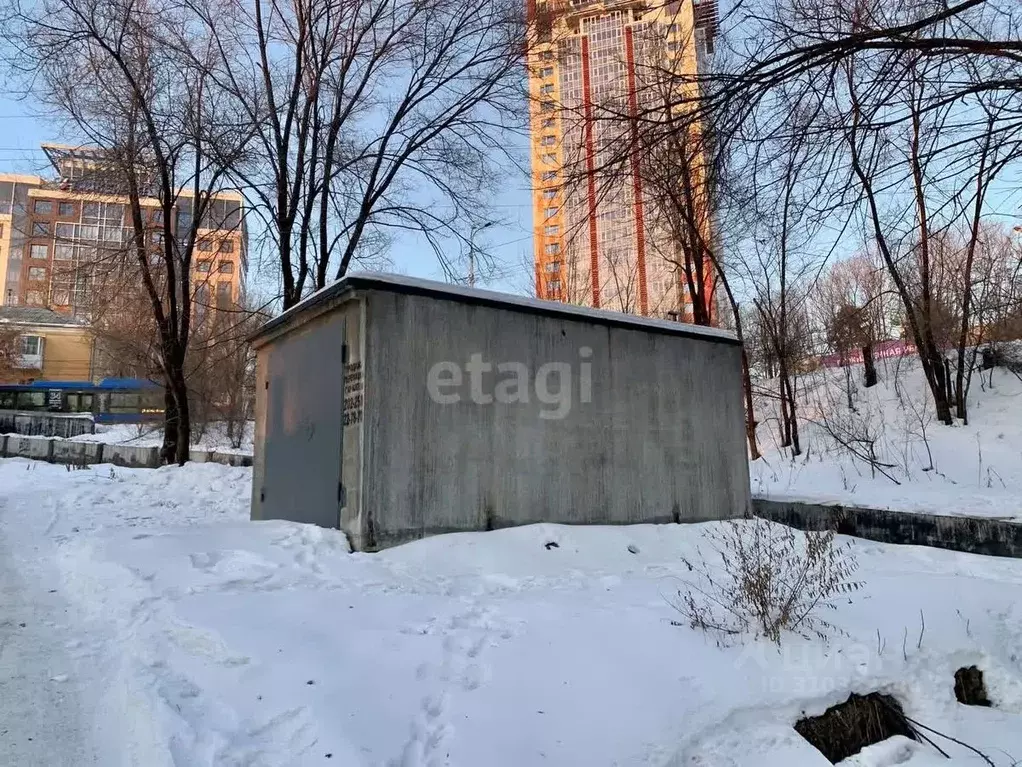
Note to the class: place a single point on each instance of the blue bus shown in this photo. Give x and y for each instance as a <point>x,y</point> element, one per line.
<point>112,400</point>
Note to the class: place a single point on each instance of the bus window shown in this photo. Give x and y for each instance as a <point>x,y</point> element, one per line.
<point>85,403</point>
<point>7,400</point>
<point>152,402</point>
<point>123,402</point>
<point>31,400</point>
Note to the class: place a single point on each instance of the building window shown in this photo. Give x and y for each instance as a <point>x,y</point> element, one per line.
<point>223,293</point>
<point>551,229</point>
<point>43,207</point>
<point>37,273</point>
<point>547,106</point>
<point>549,159</point>
<point>553,266</point>
<point>184,221</point>
<point>203,266</point>
<point>554,285</point>
<point>65,231</point>
<point>549,175</point>
<point>40,228</point>
<point>553,248</point>
<point>547,55</point>
<point>546,72</point>
<point>550,212</point>
<point>226,246</point>
<point>30,345</point>
<point>205,246</point>
<point>547,89</point>
<point>548,140</point>
<point>226,267</point>
<point>548,123</point>
<point>34,298</point>
<point>549,194</point>
<point>66,209</point>
<point>42,252</point>
<point>63,251</point>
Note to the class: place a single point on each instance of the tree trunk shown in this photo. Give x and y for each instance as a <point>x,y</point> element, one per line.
<point>848,386</point>
<point>177,432</point>
<point>788,393</point>
<point>937,377</point>
<point>171,419</point>
<point>785,418</point>
<point>184,424</point>
<point>750,414</point>
<point>869,366</point>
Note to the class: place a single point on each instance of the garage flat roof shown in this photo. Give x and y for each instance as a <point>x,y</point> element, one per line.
<point>397,283</point>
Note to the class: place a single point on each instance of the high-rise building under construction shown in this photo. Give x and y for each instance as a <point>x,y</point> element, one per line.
<point>599,239</point>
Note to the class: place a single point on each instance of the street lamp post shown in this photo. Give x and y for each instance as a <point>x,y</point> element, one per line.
<point>472,250</point>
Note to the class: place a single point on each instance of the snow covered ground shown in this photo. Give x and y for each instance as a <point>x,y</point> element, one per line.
<point>971,470</point>
<point>179,633</point>
<point>151,435</point>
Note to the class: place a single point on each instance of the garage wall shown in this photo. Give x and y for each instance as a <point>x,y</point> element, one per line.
<point>660,439</point>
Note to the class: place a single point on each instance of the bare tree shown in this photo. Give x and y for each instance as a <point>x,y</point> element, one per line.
<point>371,117</point>
<point>9,352</point>
<point>136,80</point>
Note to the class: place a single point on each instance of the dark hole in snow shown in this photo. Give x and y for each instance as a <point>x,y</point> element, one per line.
<point>633,548</point>
<point>847,728</point>
<point>969,687</point>
<point>551,545</point>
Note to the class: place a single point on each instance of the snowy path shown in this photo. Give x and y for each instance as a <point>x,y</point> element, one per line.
<point>205,640</point>
<point>43,722</point>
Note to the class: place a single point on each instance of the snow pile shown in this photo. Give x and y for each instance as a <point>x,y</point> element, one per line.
<point>151,435</point>
<point>205,639</point>
<point>923,465</point>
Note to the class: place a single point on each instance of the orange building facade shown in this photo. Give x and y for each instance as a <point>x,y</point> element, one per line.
<point>598,239</point>
<point>61,239</point>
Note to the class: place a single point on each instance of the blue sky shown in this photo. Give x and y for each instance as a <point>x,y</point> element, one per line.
<point>22,129</point>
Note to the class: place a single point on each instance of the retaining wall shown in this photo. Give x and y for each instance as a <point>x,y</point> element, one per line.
<point>46,424</point>
<point>64,451</point>
<point>972,535</point>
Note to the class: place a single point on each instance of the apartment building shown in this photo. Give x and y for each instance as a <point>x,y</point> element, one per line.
<point>598,240</point>
<point>64,240</point>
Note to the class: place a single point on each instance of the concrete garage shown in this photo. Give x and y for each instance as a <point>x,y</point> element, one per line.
<point>395,408</point>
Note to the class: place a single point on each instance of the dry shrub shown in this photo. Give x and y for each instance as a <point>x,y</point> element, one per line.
<point>765,579</point>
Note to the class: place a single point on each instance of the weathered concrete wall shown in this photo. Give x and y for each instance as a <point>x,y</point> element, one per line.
<point>39,448</point>
<point>90,453</point>
<point>298,428</point>
<point>973,535</point>
<point>77,453</point>
<point>659,440</point>
<point>132,456</point>
<point>45,424</point>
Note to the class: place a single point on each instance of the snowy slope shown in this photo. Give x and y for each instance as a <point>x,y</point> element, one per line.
<point>205,639</point>
<point>976,469</point>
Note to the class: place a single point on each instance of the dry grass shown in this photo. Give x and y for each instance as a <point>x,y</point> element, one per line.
<point>764,579</point>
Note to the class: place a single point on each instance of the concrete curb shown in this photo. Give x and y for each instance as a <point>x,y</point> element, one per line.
<point>971,535</point>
